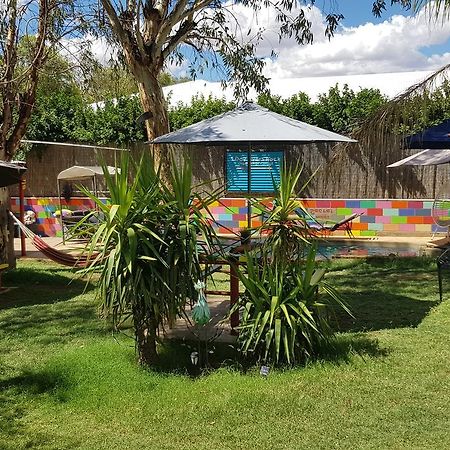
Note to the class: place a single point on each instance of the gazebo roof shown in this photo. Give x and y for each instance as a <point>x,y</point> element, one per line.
<point>10,173</point>
<point>250,123</point>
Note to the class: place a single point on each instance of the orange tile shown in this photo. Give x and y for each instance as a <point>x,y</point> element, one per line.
<point>399,204</point>
<point>414,219</point>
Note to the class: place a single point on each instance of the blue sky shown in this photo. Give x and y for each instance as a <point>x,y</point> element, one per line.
<point>360,11</point>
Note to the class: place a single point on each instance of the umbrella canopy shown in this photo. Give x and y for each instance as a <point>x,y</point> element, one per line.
<point>10,173</point>
<point>250,123</point>
<point>427,157</point>
<point>436,137</point>
<point>80,172</point>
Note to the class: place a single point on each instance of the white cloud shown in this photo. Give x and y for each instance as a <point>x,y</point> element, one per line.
<point>394,45</point>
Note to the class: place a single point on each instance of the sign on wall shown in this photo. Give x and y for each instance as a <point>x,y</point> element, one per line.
<point>265,169</point>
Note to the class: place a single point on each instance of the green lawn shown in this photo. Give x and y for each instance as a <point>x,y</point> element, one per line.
<point>66,382</point>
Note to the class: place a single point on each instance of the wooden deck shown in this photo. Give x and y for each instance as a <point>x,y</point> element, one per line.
<point>217,329</point>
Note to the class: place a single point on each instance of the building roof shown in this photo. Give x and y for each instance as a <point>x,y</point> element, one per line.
<point>389,84</point>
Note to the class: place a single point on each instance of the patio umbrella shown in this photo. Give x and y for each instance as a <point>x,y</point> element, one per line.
<point>429,157</point>
<point>435,137</point>
<point>10,173</point>
<point>250,125</point>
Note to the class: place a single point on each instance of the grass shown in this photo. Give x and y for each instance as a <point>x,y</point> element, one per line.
<point>66,383</point>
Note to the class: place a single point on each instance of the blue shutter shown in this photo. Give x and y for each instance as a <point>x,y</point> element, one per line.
<point>237,171</point>
<point>265,171</point>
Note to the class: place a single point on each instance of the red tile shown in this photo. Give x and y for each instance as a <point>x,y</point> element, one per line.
<point>337,204</point>
<point>374,212</point>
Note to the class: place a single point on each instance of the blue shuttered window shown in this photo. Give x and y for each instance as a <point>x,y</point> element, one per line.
<point>264,171</point>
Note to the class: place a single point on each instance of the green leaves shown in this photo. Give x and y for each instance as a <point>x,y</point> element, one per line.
<point>145,247</point>
<point>283,321</point>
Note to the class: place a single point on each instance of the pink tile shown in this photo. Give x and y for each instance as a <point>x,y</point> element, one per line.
<point>383,204</point>
<point>409,227</point>
<point>382,219</point>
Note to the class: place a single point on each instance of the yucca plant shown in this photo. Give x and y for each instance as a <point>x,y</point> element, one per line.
<point>145,248</point>
<point>286,300</point>
<point>285,312</point>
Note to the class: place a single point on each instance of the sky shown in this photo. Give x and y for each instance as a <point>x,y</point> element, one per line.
<point>397,42</point>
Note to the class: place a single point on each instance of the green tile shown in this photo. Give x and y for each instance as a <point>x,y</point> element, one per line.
<point>368,233</point>
<point>368,203</point>
<point>399,219</point>
<point>390,212</point>
<point>344,211</point>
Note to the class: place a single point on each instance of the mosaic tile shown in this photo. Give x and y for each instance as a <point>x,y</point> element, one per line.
<point>367,204</point>
<point>390,211</point>
<point>344,211</point>
<point>384,204</point>
<point>379,215</point>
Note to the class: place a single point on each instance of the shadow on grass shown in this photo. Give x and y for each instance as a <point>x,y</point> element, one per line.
<point>41,285</point>
<point>377,310</point>
<point>384,293</point>
<point>175,356</point>
<point>15,393</point>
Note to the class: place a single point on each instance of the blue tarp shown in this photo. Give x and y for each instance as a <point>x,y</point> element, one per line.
<point>437,137</point>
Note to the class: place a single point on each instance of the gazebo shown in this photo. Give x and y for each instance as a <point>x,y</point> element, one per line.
<point>80,173</point>
<point>254,139</point>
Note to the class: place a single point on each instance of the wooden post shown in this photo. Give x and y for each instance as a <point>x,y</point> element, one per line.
<point>22,187</point>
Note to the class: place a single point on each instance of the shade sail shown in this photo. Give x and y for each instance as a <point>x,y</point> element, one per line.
<point>250,123</point>
<point>10,173</point>
<point>429,157</point>
<point>80,172</point>
<point>436,137</point>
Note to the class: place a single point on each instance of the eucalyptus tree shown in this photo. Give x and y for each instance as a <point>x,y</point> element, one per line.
<point>205,33</point>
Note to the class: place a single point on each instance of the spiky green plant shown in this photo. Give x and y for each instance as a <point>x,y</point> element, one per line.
<point>286,300</point>
<point>285,312</point>
<point>285,222</point>
<point>145,248</point>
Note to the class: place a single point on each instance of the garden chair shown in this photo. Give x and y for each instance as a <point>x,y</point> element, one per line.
<point>327,228</point>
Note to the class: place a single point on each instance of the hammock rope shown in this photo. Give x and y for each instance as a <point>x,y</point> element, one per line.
<point>63,258</point>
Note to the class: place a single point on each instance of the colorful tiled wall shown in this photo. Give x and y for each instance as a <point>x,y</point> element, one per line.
<point>44,207</point>
<point>387,217</point>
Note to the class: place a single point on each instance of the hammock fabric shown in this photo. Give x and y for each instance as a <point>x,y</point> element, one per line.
<point>57,256</point>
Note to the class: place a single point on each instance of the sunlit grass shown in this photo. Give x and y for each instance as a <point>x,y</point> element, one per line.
<point>66,382</point>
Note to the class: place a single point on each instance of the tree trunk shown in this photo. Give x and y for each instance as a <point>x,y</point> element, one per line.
<point>145,335</point>
<point>153,103</point>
